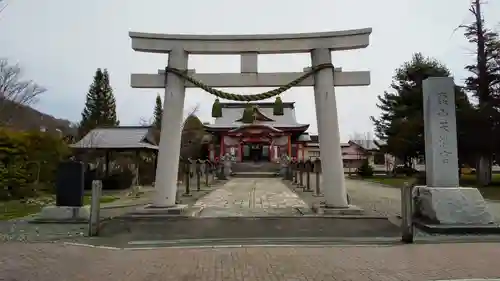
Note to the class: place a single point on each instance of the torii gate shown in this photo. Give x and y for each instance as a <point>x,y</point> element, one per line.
<point>319,45</point>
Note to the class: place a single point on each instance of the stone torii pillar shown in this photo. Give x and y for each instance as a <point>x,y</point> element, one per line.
<point>248,47</point>
<point>170,136</point>
<point>333,185</point>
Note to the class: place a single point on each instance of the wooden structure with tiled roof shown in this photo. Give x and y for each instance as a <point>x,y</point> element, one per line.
<point>266,138</point>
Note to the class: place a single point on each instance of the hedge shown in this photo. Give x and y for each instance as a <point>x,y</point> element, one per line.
<point>28,162</point>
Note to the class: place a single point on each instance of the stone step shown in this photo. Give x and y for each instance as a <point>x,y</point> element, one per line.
<point>255,175</point>
<point>255,167</point>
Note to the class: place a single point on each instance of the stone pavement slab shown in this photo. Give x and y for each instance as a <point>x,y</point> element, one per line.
<point>250,197</point>
<point>57,262</point>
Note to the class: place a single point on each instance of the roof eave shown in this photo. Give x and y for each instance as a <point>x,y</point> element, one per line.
<point>298,127</point>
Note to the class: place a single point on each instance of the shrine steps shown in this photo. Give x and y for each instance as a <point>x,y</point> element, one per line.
<point>254,175</point>
<point>267,167</point>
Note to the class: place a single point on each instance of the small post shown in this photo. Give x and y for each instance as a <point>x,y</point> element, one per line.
<point>222,174</point>
<point>95,207</point>
<point>284,171</point>
<point>407,213</point>
<point>308,168</point>
<point>187,174</point>
<point>207,172</point>
<point>198,174</point>
<point>317,171</point>
<point>213,167</point>
<point>301,174</point>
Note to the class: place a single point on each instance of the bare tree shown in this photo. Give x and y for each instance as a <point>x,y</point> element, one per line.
<point>143,121</point>
<point>362,139</point>
<point>192,112</point>
<point>15,92</point>
<point>3,5</point>
<point>482,83</point>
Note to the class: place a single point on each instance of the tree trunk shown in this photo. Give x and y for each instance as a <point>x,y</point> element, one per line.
<point>483,170</point>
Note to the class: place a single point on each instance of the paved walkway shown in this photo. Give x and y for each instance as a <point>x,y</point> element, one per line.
<point>57,262</point>
<point>250,197</point>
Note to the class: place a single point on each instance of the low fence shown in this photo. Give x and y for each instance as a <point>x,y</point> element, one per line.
<point>194,173</point>
<point>302,172</point>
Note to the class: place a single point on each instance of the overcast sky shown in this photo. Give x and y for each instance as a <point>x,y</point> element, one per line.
<point>60,43</point>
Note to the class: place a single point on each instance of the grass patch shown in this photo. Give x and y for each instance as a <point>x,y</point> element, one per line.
<point>16,209</point>
<point>390,181</point>
<point>87,199</point>
<point>21,208</point>
<point>491,192</point>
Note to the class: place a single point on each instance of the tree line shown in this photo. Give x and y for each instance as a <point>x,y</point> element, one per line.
<point>401,124</point>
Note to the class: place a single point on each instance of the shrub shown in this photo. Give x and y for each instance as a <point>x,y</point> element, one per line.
<point>118,180</point>
<point>420,178</point>
<point>13,181</point>
<point>28,160</point>
<point>45,152</point>
<point>365,170</point>
<point>404,170</point>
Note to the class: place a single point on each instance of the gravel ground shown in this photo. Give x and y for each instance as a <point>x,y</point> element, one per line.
<point>376,199</point>
<point>24,231</point>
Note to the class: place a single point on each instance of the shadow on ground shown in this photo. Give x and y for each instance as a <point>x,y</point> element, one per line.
<point>121,231</point>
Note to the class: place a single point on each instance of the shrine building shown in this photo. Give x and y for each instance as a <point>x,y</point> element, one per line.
<point>255,132</point>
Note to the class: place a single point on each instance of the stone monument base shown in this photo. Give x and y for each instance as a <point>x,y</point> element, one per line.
<point>151,210</point>
<point>451,206</point>
<point>350,210</point>
<point>63,214</point>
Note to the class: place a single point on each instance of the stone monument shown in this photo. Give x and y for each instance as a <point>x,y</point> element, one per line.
<point>442,200</point>
<point>319,45</point>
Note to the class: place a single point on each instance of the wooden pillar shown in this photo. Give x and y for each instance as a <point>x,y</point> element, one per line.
<point>137,160</point>
<point>269,152</point>
<point>106,160</point>
<point>211,152</point>
<point>240,152</point>
<point>222,147</point>
<point>156,159</point>
<point>289,145</point>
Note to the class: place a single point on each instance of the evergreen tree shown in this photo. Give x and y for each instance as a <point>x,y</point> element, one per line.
<point>191,137</point>
<point>401,123</point>
<point>158,113</point>
<point>484,85</point>
<point>100,105</point>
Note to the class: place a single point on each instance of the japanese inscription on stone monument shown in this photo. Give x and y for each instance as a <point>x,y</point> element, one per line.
<point>440,132</point>
<point>444,129</point>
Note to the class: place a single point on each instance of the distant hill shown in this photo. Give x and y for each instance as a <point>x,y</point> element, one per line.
<point>27,118</point>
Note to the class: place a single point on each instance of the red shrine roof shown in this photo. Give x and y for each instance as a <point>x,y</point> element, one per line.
<point>232,114</point>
